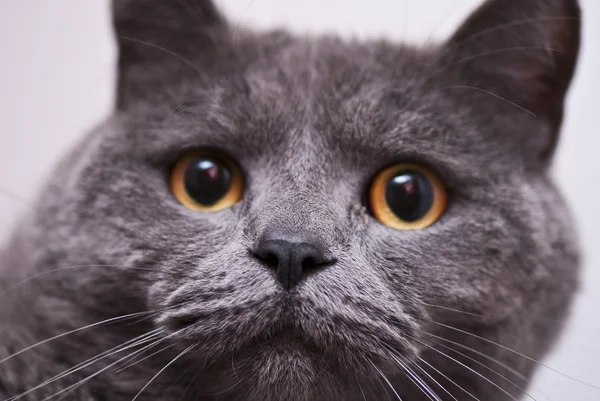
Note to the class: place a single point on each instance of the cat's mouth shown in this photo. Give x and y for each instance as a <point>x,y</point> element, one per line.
<point>294,325</point>
<point>284,337</point>
<point>286,340</point>
<point>288,345</point>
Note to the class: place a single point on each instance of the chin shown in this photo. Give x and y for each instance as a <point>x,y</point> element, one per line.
<point>283,367</point>
<point>287,372</point>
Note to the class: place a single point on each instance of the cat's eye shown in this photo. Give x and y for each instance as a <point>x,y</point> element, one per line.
<point>207,181</point>
<point>407,197</point>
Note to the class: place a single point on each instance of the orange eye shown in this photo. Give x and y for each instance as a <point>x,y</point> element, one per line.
<point>207,182</point>
<point>407,197</point>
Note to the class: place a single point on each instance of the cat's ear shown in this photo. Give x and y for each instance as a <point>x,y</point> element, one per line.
<point>524,51</point>
<point>162,37</point>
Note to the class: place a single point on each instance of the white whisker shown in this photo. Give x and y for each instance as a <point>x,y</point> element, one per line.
<point>492,94</point>
<point>111,320</point>
<point>467,367</point>
<point>448,309</point>
<point>143,359</point>
<point>487,367</point>
<point>167,51</point>
<point>46,272</point>
<point>447,378</point>
<point>162,370</point>
<point>413,377</point>
<point>501,27</point>
<point>120,348</point>
<point>83,381</point>
<point>386,380</point>
<point>435,381</point>
<point>516,353</point>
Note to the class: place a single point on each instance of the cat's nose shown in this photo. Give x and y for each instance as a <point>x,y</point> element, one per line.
<point>291,259</point>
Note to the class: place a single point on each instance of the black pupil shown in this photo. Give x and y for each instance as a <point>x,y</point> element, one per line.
<point>409,195</point>
<point>207,181</point>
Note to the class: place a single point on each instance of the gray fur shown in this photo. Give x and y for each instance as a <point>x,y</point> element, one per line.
<point>310,120</point>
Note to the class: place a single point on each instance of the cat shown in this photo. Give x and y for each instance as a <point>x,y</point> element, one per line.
<point>268,216</point>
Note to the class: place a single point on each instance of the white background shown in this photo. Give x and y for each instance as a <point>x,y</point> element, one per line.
<point>57,80</point>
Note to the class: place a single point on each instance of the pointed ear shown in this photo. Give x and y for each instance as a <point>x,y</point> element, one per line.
<point>524,51</point>
<point>162,37</point>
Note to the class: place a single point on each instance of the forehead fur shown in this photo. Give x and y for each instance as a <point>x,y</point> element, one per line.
<point>309,102</point>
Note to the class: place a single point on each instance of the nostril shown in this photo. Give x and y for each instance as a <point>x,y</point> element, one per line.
<point>270,259</point>
<point>266,257</point>
<point>309,263</point>
<point>314,264</point>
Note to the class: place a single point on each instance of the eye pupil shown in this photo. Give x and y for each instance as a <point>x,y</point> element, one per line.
<point>409,195</point>
<point>207,180</point>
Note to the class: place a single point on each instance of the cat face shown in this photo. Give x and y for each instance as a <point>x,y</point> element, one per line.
<point>300,288</point>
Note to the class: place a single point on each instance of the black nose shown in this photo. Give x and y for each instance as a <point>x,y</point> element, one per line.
<point>291,260</point>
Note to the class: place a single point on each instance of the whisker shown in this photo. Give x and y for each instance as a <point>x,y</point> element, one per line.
<point>447,378</point>
<point>233,368</point>
<point>122,347</point>
<point>194,366</point>
<point>422,383</point>
<point>505,366</point>
<point>143,359</point>
<point>426,44</point>
<point>492,52</point>
<point>238,29</point>
<point>418,382</point>
<point>15,197</point>
<point>448,309</point>
<point>79,383</point>
<point>380,382</point>
<point>83,381</point>
<point>361,390</point>
<point>155,333</point>
<point>434,381</point>
<point>405,19</point>
<point>195,10</point>
<point>386,380</point>
<point>474,360</point>
<point>521,376</point>
<point>163,369</point>
<point>439,25</point>
<point>514,352</point>
<point>228,389</point>
<point>511,370</point>
<point>133,354</point>
<point>492,94</point>
<point>176,110</point>
<point>167,51</point>
<point>111,320</point>
<point>465,366</point>
<point>46,272</point>
<point>413,377</point>
<point>500,27</point>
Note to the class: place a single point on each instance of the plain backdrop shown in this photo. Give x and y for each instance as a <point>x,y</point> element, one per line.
<point>57,79</point>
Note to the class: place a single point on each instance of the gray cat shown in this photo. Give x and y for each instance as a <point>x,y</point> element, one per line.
<point>273,217</point>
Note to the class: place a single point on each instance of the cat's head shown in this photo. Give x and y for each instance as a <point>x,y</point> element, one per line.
<point>244,188</point>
